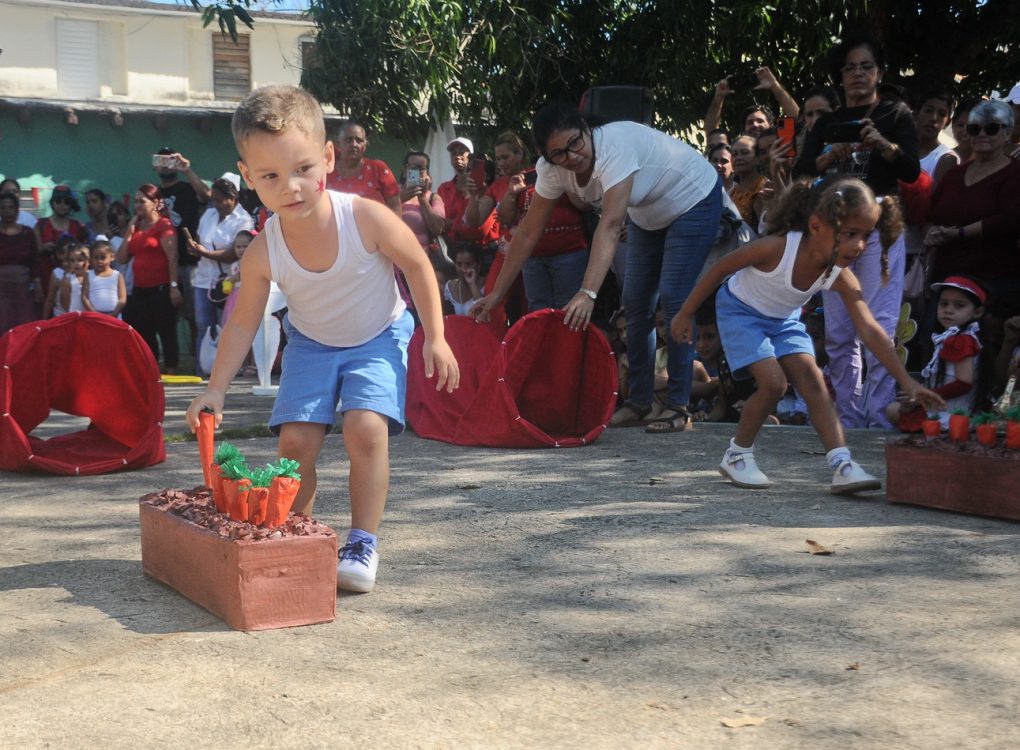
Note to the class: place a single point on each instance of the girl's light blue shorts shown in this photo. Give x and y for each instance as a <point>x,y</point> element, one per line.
<point>748,336</point>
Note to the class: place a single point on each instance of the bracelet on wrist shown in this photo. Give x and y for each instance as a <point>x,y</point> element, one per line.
<point>588,293</point>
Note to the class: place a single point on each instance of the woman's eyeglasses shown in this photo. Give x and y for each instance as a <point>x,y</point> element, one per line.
<point>866,68</point>
<point>990,128</point>
<point>574,145</point>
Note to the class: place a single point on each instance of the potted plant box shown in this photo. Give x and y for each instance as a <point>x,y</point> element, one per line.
<point>964,477</point>
<point>253,578</point>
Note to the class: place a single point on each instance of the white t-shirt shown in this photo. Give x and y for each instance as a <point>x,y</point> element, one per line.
<point>214,234</point>
<point>26,219</point>
<point>670,177</point>
<point>349,303</point>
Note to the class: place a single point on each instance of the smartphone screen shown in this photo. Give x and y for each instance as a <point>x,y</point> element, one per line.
<point>164,161</point>
<point>413,177</point>
<point>843,132</point>
<point>478,172</point>
<point>786,130</point>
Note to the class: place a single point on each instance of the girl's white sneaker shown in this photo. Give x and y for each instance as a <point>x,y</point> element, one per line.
<point>850,477</point>
<point>741,469</point>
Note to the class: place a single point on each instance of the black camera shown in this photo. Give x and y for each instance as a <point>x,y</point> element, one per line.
<point>742,81</point>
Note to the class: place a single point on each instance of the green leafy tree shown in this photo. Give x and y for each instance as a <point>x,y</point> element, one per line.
<point>489,63</point>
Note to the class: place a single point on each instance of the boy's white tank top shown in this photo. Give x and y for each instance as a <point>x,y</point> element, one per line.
<point>346,305</point>
<point>773,294</point>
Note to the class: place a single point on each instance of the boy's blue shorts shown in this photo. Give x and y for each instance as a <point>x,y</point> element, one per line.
<point>317,379</point>
<point>748,336</point>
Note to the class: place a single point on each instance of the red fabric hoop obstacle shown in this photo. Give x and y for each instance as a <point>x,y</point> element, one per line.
<point>89,365</point>
<point>543,386</point>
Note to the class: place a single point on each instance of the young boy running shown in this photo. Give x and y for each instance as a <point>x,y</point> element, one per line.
<point>347,328</point>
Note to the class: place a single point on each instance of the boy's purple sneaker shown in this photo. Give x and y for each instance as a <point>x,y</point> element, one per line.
<point>357,567</point>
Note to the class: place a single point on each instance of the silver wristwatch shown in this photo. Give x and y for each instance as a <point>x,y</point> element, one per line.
<point>589,293</point>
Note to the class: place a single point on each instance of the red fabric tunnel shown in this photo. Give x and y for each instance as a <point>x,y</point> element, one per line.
<point>88,365</point>
<point>542,386</point>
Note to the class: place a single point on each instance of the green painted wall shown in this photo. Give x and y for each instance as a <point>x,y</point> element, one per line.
<point>47,151</point>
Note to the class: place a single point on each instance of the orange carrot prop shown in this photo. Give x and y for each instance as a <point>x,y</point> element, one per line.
<point>931,428</point>
<point>236,492</point>
<point>1013,427</point>
<point>282,492</point>
<point>258,499</point>
<point>219,496</point>
<point>206,441</point>
<point>959,426</point>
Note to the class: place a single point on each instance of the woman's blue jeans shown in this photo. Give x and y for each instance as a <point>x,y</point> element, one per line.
<point>663,266</point>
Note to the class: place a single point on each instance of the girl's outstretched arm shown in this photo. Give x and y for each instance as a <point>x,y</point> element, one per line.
<point>878,341</point>
<point>763,254</point>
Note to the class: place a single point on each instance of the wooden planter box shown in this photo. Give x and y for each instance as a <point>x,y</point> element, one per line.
<point>251,585</point>
<point>962,482</point>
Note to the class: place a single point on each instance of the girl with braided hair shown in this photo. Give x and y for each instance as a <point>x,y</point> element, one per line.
<point>823,227</point>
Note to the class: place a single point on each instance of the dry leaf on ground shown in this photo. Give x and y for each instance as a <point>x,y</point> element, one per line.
<point>470,487</point>
<point>855,666</point>
<point>815,548</point>
<point>744,721</point>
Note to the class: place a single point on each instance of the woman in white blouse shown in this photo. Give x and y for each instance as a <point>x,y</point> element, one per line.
<point>215,247</point>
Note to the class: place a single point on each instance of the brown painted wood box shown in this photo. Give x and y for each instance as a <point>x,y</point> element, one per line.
<point>252,585</point>
<point>962,482</point>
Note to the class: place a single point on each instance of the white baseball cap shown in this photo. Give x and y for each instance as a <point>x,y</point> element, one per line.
<point>463,142</point>
<point>235,179</point>
<point>1013,97</point>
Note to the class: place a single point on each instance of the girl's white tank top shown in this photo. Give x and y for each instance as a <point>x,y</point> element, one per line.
<point>773,294</point>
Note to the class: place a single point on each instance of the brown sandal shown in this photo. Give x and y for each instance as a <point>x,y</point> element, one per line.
<point>671,420</point>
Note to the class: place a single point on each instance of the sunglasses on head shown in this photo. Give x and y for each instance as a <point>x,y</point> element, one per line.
<point>990,128</point>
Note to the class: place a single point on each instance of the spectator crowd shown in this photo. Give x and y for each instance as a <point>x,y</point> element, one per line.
<point>615,223</point>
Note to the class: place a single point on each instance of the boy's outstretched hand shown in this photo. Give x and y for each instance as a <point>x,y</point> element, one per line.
<point>439,361</point>
<point>921,395</point>
<point>208,399</point>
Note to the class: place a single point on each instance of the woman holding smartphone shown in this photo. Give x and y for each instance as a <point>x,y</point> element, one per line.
<point>874,140</point>
<point>423,211</point>
<point>555,270</point>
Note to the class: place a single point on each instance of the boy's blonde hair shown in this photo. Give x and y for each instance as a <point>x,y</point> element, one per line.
<point>273,109</point>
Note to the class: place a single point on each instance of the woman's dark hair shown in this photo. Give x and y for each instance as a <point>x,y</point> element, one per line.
<point>838,54</point>
<point>827,93</point>
<point>225,187</point>
<point>465,246</point>
<point>552,118</point>
<point>113,209</point>
<point>100,193</point>
<point>153,193</point>
<point>10,181</point>
<point>12,198</point>
<point>409,154</point>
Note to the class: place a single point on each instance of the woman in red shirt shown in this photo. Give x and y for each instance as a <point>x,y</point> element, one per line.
<point>353,173</point>
<point>151,242</point>
<point>555,270</point>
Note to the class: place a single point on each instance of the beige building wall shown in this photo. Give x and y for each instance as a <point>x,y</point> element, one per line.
<point>153,55</point>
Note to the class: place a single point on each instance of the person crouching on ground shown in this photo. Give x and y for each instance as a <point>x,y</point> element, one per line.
<point>332,254</point>
<point>822,229</point>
